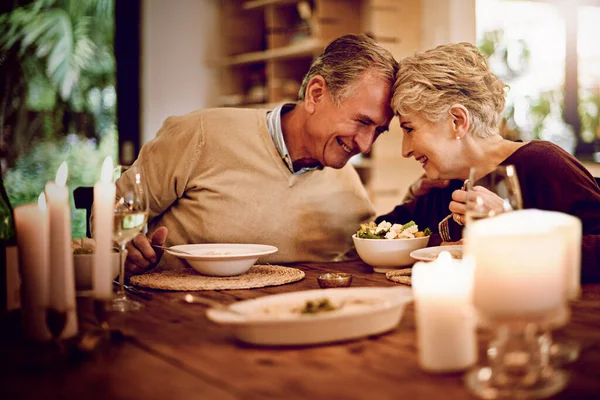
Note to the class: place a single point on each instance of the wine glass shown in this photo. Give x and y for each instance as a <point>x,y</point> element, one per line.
<point>130,216</point>
<point>490,193</point>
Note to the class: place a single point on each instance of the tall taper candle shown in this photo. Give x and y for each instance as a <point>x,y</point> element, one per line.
<point>31,221</point>
<point>104,198</point>
<point>62,279</point>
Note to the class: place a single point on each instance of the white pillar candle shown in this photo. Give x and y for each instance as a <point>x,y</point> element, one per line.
<point>31,221</point>
<point>62,279</point>
<point>519,265</point>
<point>104,198</point>
<point>444,315</point>
<point>570,228</point>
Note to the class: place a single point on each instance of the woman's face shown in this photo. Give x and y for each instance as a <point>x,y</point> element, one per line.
<point>433,144</point>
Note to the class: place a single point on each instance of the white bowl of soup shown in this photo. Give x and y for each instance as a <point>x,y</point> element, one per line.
<point>221,259</point>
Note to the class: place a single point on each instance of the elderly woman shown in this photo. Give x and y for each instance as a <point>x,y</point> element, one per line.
<point>450,106</point>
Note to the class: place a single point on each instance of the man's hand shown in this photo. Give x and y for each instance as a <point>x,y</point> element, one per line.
<point>140,253</point>
<point>422,186</point>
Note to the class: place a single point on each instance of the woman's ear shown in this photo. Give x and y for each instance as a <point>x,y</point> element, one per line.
<point>461,121</point>
<point>315,91</point>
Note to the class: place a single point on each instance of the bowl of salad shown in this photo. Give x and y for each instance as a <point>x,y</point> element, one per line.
<point>386,246</point>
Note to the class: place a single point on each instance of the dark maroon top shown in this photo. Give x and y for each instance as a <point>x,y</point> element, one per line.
<point>550,178</point>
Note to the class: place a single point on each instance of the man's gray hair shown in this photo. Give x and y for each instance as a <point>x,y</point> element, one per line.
<point>345,60</point>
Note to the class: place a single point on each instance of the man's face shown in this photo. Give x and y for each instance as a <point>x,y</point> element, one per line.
<point>336,133</point>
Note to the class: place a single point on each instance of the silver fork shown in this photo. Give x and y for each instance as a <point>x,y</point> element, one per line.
<point>191,299</point>
<point>171,249</point>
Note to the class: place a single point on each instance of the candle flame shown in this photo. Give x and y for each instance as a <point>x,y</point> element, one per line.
<point>61,174</point>
<point>42,201</point>
<point>107,168</point>
<point>444,257</point>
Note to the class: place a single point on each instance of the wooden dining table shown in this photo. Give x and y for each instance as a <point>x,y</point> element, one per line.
<point>170,350</point>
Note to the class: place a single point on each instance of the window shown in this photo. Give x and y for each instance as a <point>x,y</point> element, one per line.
<point>58,101</point>
<point>547,52</point>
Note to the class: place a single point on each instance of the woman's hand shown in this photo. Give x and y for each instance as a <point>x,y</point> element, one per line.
<point>458,206</point>
<point>140,253</point>
<point>482,200</point>
<point>460,242</point>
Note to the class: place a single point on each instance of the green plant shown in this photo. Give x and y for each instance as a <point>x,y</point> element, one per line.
<point>541,106</point>
<point>589,112</point>
<point>54,53</point>
<point>508,60</point>
<point>84,157</point>
<point>57,70</point>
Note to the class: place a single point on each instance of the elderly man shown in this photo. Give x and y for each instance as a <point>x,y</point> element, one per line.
<point>281,177</point>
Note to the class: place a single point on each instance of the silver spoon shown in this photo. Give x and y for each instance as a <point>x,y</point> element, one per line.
<point>191,299</point>
<point>172,249</point>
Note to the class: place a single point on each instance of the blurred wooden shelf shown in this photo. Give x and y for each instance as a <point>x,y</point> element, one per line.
<point>270,44</point>
<point>252,4</point>
<point>307,47</point>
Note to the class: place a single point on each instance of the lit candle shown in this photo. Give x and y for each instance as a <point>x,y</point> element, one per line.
<point>104,198</point>
<point>571,230</point>
<point>444,314</point>
<point>31,222</point>
<point>62,280</point>
<point>519,265</point>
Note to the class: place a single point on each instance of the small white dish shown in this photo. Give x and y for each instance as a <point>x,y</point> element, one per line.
<point>388,254</point>
<point>268,320</point>
<point>222,259</point>
<point>432,253</point>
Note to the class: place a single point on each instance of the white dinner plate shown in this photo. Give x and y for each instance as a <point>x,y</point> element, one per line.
<point>431,253</point>
<point>268,320</point>
<point>222,251</point>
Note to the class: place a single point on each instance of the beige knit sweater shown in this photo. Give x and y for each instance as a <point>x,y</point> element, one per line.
<point>215,176</point>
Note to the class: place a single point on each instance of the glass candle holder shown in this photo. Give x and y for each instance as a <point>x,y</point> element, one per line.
<point>519,287</point>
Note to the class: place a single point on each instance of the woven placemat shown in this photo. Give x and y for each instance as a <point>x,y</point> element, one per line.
<point>400,276</point>
<point>189,280</point>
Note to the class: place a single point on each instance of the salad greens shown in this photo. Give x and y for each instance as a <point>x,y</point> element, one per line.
<point>387,230</point>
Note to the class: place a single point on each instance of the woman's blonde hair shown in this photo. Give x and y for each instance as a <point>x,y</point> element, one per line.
<point>431,82</point>
<point>345,60</point>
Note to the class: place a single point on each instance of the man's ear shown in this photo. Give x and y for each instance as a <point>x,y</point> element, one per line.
<point>316,89</point>
<point>460,119</point>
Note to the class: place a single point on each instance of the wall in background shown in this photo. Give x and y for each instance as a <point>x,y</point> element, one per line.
<point>447,21</point>
<point>179,53</point>
<point>391,173</point>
